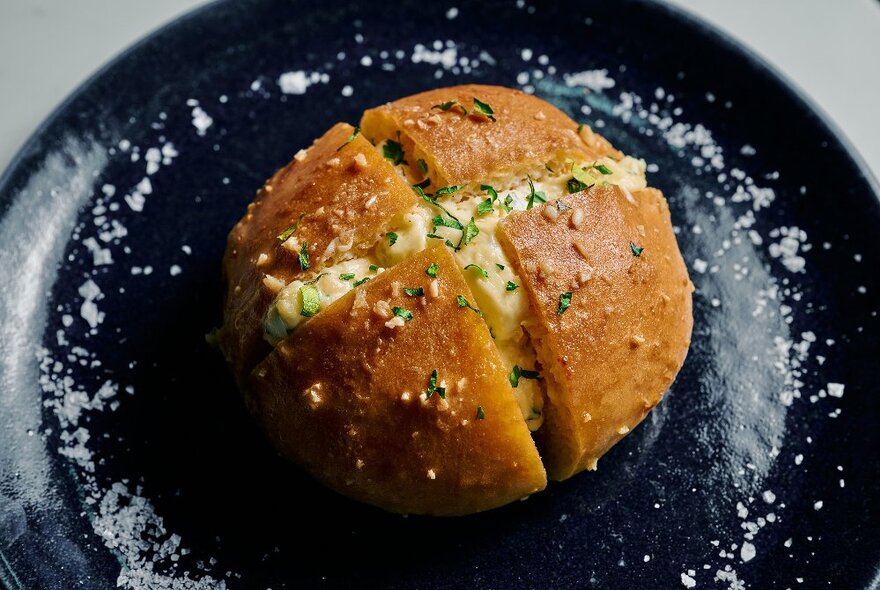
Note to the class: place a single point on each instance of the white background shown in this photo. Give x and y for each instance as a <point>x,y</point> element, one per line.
<point>829,49</point>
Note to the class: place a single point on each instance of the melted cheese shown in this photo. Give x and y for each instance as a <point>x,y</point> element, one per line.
<point>504,310</point>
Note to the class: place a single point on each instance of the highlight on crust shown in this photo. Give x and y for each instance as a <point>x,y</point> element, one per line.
<point>468,292</point>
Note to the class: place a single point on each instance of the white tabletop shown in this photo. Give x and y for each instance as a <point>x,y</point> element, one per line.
<point>830,50</point>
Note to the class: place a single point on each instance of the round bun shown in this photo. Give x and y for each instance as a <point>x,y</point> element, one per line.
<point>468,294</point>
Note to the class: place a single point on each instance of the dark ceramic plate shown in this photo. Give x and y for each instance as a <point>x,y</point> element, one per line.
<point>126,456</point>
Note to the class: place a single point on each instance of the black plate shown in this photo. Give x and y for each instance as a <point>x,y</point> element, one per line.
<point>116,439</point>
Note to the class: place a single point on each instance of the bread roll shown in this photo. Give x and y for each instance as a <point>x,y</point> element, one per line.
<point>435,311</point>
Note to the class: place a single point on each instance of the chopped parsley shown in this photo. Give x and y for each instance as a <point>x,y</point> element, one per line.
<point>602,168</point>
<point>517,373</point>
<point>470,232</point>
<point>445,106</point>
<point>283,236</point>
<point>484,109</point>
<point>392,238</point>
<point>636,250</point>
<point>506,204</point>
<point>582,176</point>
<point>481,415</point>
<point>423,166</point>
<point>393,152</point>
<point>564,302</point>
<point>310,299</point>
<point>448,190</point>
<point>490,190</point>
<point>433,388</point>
<point>439,220</point>
<point>346,276</point>
<point>500,266</point>
<point>402,313</point>
<point>373,268</point>
<point>575,186</point>
<point>360,282</point>
<point>462,302</point>
<point>429,199</point>
<point>431,271</point>
<point>533,195</point>
<point>485,207</point>
<point>478,270</point>
<point>350,138</point>
<point>511,286</point>
<point>417,292</point>
<point>304,256</point>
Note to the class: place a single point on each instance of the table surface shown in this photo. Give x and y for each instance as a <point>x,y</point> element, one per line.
<point>48,47</point>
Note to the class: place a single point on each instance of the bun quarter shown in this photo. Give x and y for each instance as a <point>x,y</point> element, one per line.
<point>412,305</point>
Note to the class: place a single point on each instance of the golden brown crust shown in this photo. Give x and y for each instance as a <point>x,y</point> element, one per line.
<point>343,397</point>
<point>527,133</point>
<point>337,197</point>
<point>612,354</point>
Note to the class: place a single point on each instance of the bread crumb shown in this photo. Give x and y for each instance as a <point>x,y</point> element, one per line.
<point>462,383</point>
<point>431,474</point>
<point>274,284</point>
<point>408,123</point>
<point>371,201</point>
<point>300,155</point>
<point>382,309</point>
<point>641,229</point>
<point>333,162</point>
<point>582,249</point>
<point>434,288</point>
<point>540,116</point>
<point>623,430</point>
<point>291,244</point>
<point>637,340</point>
<point>361,161</point>
<point>360,300</point>
<point>550,212</point>
<point>405,396</point>
<point>545,270</point>
<point>268,188</point>
<point>435,119</point>
<point>465,422</point>
<point>395,289</point>
<point>586,416</point>
<point>359,464</point>
<point>395,322</point>
<point>577,218</point>
<point>262,259</point>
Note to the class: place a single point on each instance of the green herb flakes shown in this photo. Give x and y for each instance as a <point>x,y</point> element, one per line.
<point>423,166</point>
<point>450,104</point>
<point>417,292</point>
<point>517,373</point>
<point>402,313</point>
<point>393,152</point>
<point>346,276</point>
<point>439,220</point>
<point>350,138</point>
<point>360,282</point>
<point>575,186</point>
<point>603,169</point>
<point>431,271</point>
<point>490,190</point>
<point>636,250</point>
<point>392,238</point>
<point>477,270</point>
<point>462,302</point>
<point>304,256</point>
<point>481,415</point>
<point>564,302</point>
<point>485,207</point>
<point>582,176</point>
<point>433,388</point>
<point>500,266</point>
<point>511,286</point>
<point>470,232</point>
<point>285,235</point>
<point>310,299</point>
<point>448,190</point>
<point>534,195</point>
<point>374,268</point>
<point>484,109</point>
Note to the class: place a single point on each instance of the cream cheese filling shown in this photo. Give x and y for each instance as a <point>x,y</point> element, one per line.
<point>497,290</point>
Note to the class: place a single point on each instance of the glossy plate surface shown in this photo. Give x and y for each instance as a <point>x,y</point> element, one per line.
<point>126,456</point>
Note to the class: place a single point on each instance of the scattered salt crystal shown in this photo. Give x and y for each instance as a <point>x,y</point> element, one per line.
<point>201,120</point>
<point>747,552</point>
<point>835,389</point>
<point>687,581</point>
